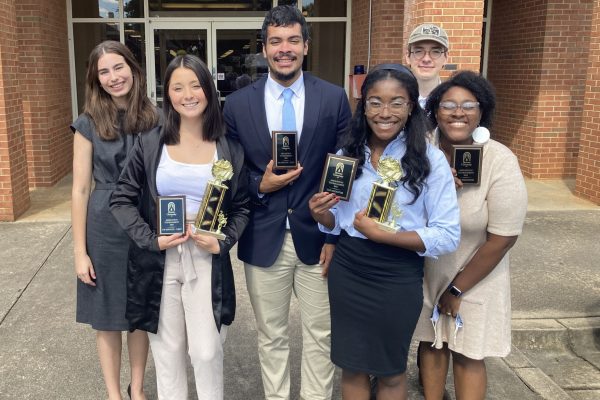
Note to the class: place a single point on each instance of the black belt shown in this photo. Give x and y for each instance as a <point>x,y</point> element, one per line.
<point>105,186</point>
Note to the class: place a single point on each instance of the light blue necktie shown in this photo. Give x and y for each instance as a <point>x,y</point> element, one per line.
<point>288,116</point>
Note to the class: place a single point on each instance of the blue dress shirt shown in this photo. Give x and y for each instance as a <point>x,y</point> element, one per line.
<point>434,216</point>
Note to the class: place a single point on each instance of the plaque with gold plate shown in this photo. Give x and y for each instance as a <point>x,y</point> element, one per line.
<point>210,217</point>
<point>466,160</point>
<point>285,150</point>
<point>338,175</point>
<point>381,202</point>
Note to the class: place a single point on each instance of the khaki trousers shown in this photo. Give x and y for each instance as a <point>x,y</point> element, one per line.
<point>270,290</point>
<point>186,326</point>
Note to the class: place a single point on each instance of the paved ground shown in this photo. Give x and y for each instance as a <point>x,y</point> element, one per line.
<point>44,354</point>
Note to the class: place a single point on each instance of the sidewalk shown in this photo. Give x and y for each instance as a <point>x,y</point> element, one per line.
<point>44,354</point>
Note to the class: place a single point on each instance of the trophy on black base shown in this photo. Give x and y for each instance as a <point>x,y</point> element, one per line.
<point>210,218</point>
<point>170,215</point>
<point>338,175</point>
<point>466,160</point>
<point>285,150</point>
<point>381,202</point>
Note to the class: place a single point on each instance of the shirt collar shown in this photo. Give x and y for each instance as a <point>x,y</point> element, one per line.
<point>391,145</point>
<point>276,90</point>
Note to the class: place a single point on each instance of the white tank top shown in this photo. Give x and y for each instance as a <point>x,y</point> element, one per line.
<point>175,178</point>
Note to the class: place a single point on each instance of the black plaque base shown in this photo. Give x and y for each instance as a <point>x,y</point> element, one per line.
<point>338,175</point>
<point>285,150</point>
<point>170,215</point>
<point>466,160</point>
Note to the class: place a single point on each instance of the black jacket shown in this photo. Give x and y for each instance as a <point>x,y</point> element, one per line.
<point>133,204</point>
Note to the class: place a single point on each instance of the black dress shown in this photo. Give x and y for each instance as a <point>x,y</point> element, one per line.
<point>376,296</point>
<point>103,306</point>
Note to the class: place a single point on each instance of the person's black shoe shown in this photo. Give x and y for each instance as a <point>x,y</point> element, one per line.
<point>129,390</point>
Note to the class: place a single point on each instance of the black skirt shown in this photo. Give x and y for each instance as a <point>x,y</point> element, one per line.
<point>376,295</point>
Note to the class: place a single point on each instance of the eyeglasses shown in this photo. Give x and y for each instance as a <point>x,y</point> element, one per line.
<point>468,107</point>
<point>375,106</point>
<point>434,54</point>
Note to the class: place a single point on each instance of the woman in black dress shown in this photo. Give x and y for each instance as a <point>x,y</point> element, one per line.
<point>116,108</point>
<point>375,277</point>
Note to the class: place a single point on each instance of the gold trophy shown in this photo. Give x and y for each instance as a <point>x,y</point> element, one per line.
<point>381,202</point>
<point>210,218</point>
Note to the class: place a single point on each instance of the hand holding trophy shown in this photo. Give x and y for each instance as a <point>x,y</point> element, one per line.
<point>210,218</point>
<point>381,202</point>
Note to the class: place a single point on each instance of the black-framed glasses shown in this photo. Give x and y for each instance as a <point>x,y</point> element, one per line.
<point>468,107</point>
<point>375,106</point>
<point>434,54</point>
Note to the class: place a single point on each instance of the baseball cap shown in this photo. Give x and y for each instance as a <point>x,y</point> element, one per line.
<point>429,32</point>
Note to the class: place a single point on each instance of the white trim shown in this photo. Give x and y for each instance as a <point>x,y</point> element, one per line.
<point>72,72</point>
<point>486,46</point>
<point>348,46</point>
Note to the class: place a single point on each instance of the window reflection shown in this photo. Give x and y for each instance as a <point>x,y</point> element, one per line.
<point>239,59</point>
<point>95,8</point>
<point>169,43</point>
<point>324,8</point>
<point>326,51</point>
<point>135,40</point>
<point>202,5</point>
<point>133,8</point>
<point>85,38</point>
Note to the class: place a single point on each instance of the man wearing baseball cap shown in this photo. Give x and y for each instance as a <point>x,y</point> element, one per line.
<point>427,54</point>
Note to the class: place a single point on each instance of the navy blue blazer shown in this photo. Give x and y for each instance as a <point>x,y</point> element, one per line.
<point>326,116</point>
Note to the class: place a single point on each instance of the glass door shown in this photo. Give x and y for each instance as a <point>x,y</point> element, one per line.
<point>237,55</point>
<point>232,51</point>
<point>167,40</point>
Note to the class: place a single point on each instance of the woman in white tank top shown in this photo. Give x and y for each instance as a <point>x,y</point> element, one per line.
<point>185,295</point>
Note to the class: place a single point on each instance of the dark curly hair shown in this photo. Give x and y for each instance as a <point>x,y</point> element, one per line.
<point>284,16</point>
<point>414,162</point>
<point>480,87</point>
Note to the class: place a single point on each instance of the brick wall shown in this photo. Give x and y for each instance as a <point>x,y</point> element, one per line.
<point>537,62</point>
<point>462,20</point>
<point>14,188</point>
<point>45,88</point>
<point>393,20</point>
<point>387,39</point>
<point>587,183</point>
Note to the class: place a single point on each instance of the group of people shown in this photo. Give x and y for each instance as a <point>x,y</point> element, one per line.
<point>363,292</point>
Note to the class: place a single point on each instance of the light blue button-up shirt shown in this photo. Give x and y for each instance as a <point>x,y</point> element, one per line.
<point>434,216</point>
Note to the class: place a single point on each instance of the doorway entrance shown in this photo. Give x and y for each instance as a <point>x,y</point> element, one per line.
<point>231,50</point>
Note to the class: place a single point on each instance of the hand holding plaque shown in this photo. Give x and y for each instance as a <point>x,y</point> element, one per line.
<point>338,175</point>
<point>381,202</point>
<point>170,215</point>
<point>285,149</point>
<point>466,160</point>
<point>210,218</point>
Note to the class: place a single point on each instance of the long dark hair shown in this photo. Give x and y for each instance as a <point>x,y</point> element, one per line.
<point>212,120</point>
<point>140,116</point>
<point>414,162</point>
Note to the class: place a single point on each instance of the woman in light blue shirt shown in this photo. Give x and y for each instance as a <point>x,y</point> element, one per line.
<point>375,285</point>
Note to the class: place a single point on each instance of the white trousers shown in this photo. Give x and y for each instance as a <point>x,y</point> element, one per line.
<point>186,326</point>
<point>270,290</point>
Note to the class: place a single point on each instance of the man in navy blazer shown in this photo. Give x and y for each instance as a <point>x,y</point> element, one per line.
<point>282,247</point>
